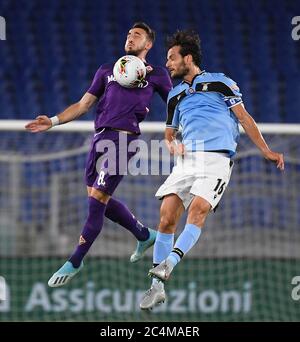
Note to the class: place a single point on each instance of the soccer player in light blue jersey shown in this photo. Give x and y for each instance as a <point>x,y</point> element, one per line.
<point>208,107</point>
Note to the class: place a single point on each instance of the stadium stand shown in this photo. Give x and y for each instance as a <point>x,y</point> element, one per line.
<point>46,72</point>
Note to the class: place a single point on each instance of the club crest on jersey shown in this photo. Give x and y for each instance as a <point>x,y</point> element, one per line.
<point>149,69</point>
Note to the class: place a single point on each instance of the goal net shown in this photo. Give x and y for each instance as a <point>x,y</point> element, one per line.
<point>242,269</point>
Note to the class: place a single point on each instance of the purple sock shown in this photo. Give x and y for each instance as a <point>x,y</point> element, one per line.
<point>91,229</point>
<point>116,211</point>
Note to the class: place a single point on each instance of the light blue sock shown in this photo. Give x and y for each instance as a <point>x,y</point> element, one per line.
<point>162,248</point>
<point>184,243</point>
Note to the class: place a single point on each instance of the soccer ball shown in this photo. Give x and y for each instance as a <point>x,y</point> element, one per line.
<point>129,71</point>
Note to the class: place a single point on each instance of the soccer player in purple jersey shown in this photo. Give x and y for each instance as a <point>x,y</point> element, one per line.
<point>119,112</point>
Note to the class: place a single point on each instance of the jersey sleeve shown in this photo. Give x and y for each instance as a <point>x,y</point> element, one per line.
<point>236,96</point>
<point>164,85</point>
<point>98,85</point>
<point>172,112</point>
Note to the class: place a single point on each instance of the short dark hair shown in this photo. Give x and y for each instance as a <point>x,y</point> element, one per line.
<point>189,42</point>
<point>146,28</point>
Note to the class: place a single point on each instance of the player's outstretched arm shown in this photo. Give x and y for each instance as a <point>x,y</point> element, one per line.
<point>255,135</point>
<point>42,122</point>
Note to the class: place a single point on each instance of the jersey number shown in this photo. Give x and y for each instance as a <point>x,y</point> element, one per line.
<point>101,178</point>
<point>219,188</point>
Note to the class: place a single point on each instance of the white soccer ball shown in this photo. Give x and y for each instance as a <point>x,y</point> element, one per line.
<point>129,71</point>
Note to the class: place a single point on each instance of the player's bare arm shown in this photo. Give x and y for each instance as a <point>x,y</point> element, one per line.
<point>43,122</point>
<point>173,145</point>
<point>255,135</point>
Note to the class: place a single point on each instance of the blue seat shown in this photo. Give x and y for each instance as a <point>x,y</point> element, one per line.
<point>234,40</point>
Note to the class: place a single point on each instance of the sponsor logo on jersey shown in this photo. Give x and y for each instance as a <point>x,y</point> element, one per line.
<point>110,78</point>
<point>143,84</point>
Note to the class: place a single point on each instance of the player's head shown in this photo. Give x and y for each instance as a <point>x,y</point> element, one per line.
<point>183,52</point>
<point>140,39</point>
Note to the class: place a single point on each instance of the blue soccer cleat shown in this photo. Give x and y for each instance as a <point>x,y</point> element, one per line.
<point>142,246</point>
<point>64,274</point>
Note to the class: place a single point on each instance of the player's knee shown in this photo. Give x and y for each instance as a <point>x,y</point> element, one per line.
<point>167,224</point>
<point>198,213</point>
<point>100,195</point>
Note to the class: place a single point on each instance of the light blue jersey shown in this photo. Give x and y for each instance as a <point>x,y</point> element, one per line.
<point>202,110</point>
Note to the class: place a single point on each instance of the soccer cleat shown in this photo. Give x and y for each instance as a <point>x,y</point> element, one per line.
<point>154,296</point>
<point>64,274</point>
<point>161,271</point>
<point>142,246</point>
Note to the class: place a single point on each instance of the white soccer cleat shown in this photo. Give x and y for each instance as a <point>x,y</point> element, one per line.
<point>161,271</point>
<point>64,274</point>
<point>155,296</point>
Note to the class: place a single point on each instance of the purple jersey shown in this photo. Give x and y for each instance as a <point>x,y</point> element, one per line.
<point>123,108</point>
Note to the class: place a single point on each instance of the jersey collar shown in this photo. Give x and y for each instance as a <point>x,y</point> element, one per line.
<point>202,72</point>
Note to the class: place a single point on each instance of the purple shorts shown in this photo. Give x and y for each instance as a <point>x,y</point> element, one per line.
<point>108,159</point>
